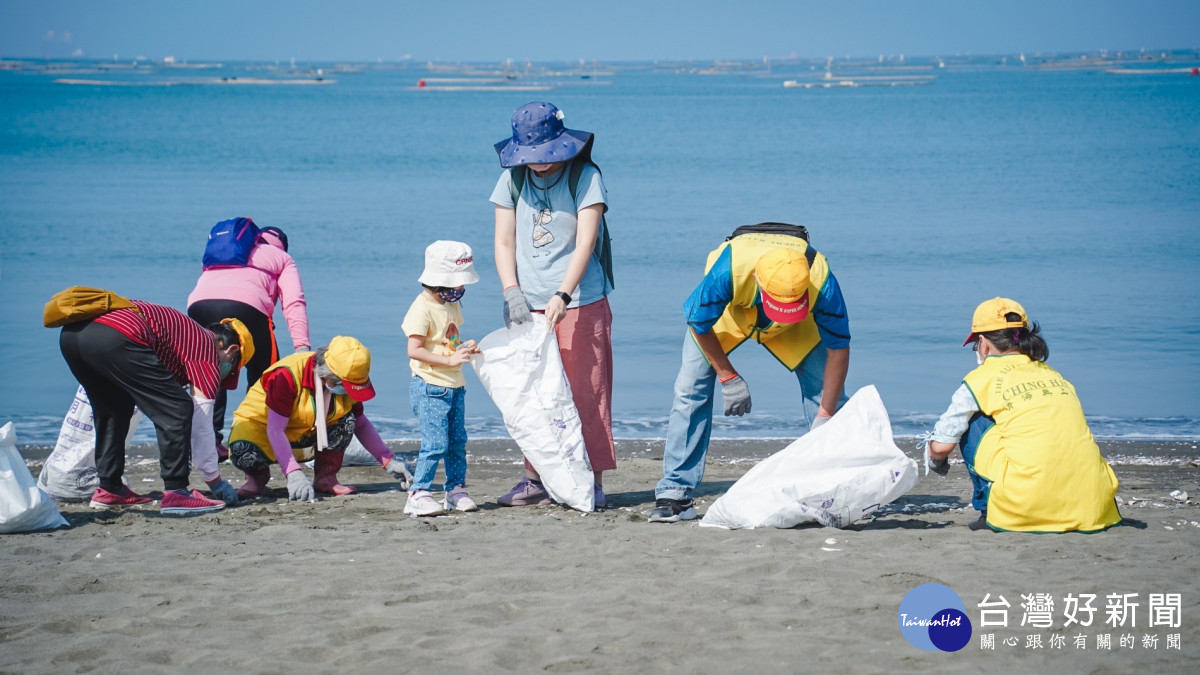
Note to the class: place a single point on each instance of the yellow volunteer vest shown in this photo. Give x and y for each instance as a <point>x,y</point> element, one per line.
<point>789,343</point>
<point>1046,470</point>
<point>250,418</point>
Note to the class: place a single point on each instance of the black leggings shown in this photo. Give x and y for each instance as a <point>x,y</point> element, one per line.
<point>208,312</point>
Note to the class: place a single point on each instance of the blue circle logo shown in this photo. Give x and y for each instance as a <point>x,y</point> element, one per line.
<point>932,617</point>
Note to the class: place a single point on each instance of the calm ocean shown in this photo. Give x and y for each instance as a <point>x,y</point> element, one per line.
<point>1076,191</point>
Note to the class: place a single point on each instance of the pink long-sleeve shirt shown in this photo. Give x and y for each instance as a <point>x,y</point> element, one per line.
<point>269,275</point>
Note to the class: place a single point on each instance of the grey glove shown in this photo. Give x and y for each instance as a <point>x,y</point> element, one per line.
<point>300,488</point>
<point>818,421</point>
<point>516,307</point>
<point>736,395</point>
<point>939,466</point>
<point>400,472</point>
<point>222,490</point>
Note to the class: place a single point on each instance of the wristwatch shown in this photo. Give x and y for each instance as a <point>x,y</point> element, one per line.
<point>565,298</point>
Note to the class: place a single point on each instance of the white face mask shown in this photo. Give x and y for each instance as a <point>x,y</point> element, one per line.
<point>978,359</point>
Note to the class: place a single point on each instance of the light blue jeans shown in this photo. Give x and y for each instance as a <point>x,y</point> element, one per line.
<point>440,414</point>
<point>690,425</point>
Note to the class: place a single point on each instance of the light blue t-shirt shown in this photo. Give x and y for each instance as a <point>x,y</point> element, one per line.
<point>546,226</point>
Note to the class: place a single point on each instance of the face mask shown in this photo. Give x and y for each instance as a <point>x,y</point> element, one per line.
<point>340,389</point>
<point>978,359</point>
<point>452,295</point>
<point>226,368</point>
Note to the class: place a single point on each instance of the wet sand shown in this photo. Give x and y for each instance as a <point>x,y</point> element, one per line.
<point>278,587</point>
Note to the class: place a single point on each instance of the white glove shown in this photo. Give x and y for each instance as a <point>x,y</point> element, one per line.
<point>300,488</point>
<point>399,471</point>
<point>818,421</point>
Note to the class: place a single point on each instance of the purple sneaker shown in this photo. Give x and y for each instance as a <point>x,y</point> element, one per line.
<point>601,504</point>
<point>525,493</point>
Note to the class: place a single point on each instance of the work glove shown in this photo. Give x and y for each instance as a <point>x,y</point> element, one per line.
<point>736,395</point>
<point>516,307</point>
<point>818,421</point>
<point>300,488</point>
<point>222,490</point>
<point>399,471</point>
<point>939,466</point>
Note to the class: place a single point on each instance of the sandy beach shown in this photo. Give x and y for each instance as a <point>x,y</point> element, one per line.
<point>351,583</point>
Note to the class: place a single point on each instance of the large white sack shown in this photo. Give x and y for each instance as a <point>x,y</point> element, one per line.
<point>358,455</point>
<point>69,473</point>
<point>23,507</point>
<point>833,475</point>
<point>521,369</point>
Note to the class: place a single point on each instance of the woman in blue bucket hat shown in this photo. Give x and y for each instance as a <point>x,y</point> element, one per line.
<point>552,257</point>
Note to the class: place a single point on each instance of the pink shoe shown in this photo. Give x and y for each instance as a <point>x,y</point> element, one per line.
<point>103,499</point>
<point>186,504</point>
<point>525,493</point>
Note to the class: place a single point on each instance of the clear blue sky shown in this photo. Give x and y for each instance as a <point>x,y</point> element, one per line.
<point>475,30</point>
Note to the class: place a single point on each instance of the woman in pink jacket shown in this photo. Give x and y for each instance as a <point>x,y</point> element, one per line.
<point>249,294</point>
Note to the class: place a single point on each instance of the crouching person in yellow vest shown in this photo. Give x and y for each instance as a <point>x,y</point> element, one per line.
<point>307,400</point>
<point>764,283</point>
<point>1032,460</point>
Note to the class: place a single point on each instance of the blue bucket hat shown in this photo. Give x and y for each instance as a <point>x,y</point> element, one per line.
<point>539,137</point>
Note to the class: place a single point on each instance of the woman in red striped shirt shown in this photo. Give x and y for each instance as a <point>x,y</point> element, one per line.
<point>146,356</point>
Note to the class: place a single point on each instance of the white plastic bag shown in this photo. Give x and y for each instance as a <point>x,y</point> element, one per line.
<point>358,455</point>
<point>833,475</point>
<point>69,473</point>
<point>521,369</point>
<point>23,507</point>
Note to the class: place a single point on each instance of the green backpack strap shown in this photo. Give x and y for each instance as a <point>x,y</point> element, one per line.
<point>518,182</point>
<point>603,241</point>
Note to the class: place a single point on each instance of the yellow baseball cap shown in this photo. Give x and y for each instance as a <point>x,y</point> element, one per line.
<point>782,275</point>
<point>993,314</point>
<point>351,362</point>
<point>244,337</point>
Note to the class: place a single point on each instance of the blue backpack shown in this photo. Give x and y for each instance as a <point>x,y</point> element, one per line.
<point>230,243</point>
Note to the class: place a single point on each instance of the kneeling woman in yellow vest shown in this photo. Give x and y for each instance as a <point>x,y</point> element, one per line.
<point>1032,459</point>
<point>304,400</point>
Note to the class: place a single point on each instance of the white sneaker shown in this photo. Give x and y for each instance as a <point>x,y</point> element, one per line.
<point>458,500</point>
<point>422,503</point>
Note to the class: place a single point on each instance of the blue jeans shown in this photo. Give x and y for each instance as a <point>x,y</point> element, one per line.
<point>690,425</point>
<point>968,445</point>
<point>439,411</point>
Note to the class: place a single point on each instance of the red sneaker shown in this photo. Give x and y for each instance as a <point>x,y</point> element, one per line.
<point>178,504</point>
<point>103,499</point>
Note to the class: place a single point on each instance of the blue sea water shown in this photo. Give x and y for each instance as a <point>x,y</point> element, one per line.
<point>1075,191</point>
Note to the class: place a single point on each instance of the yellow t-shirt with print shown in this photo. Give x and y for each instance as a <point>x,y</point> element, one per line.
<point>438,323</point>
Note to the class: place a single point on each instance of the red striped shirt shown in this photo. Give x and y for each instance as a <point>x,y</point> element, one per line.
<point>185,347</point>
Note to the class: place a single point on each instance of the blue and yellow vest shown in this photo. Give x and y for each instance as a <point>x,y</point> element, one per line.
<point>1046,470</point>
<point>789,343</point>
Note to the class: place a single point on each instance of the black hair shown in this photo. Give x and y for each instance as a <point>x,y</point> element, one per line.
<point>226,334</point>
<point>438,289</point>
<point>1028,340</point>
<point>278,233</point>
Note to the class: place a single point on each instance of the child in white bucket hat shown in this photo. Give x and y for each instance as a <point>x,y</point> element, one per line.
<point>438,389</point>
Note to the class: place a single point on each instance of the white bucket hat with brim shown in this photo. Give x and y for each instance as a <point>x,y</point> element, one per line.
<point>448,264</point>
